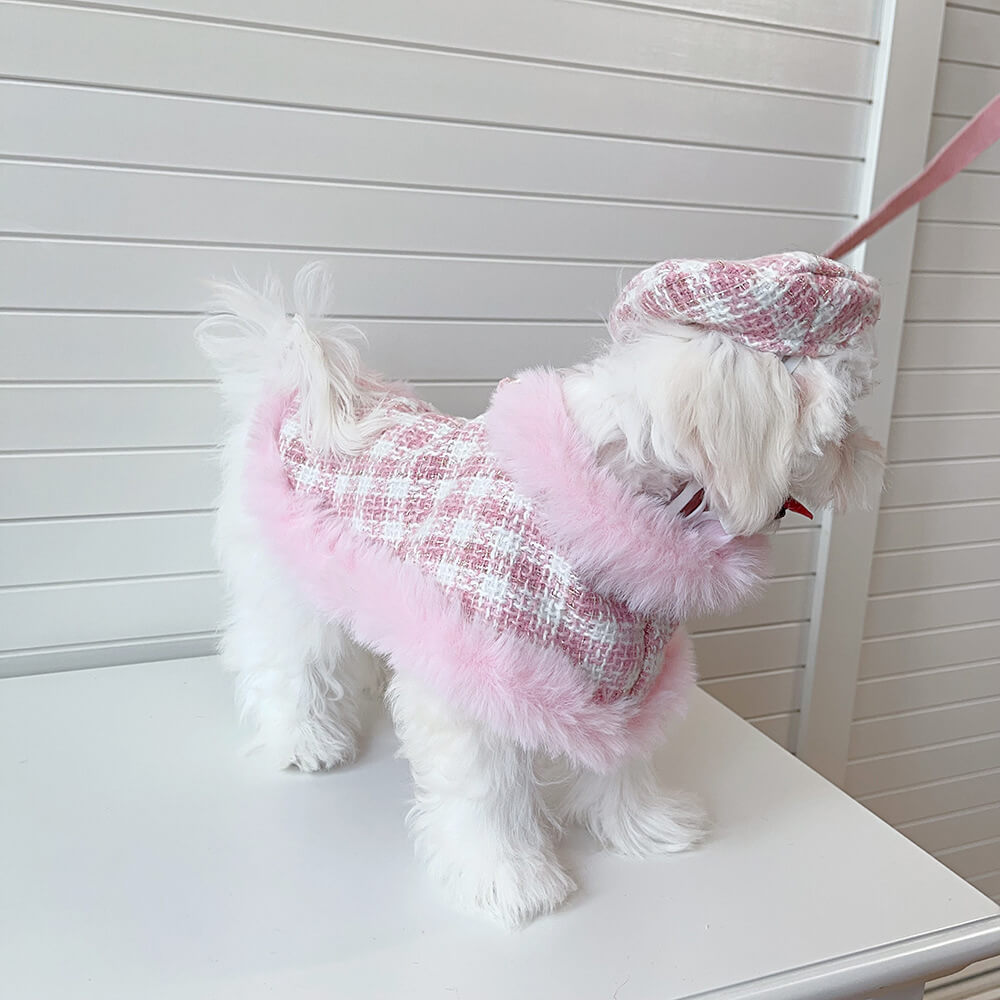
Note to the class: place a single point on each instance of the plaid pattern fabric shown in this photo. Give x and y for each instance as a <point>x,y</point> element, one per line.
<point>791,304</point>
<point>429,489</point>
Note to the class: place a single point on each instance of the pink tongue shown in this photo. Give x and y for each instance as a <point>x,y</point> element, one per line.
<point>797,508</point>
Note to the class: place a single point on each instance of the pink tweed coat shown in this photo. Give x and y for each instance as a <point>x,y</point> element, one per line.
<point>497,561</point>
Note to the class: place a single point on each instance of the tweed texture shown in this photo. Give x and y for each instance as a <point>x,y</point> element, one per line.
<point>430,489</point>
<point>790,304</point>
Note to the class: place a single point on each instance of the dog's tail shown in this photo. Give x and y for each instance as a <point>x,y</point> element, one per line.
<point>259,346</point>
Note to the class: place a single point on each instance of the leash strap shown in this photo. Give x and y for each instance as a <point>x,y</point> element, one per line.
<point>974,139</point>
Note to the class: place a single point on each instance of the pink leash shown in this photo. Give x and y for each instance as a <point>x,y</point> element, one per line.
<point>974,139</point>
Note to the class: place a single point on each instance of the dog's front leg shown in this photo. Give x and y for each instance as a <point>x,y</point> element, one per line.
<point>478,820</point>
<point>628,812</point>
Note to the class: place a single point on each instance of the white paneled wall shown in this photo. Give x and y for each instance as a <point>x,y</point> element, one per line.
<point>480,177</point>
<point>925,743</point>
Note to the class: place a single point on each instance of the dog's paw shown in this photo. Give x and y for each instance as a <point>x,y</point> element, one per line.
<point>316,747</point>
<point>512,889</point>
<point>523,888</point>
<point>665,825</point>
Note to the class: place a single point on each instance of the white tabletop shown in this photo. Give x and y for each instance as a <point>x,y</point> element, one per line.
<point>144,855</point>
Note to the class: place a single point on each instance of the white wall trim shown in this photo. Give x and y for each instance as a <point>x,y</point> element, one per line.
<point>900,124</point>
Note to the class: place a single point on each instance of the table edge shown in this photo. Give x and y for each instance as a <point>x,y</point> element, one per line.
<point>863,973</point>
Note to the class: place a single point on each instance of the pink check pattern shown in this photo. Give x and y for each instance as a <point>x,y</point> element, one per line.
<point>789,304</point>
<point>430,490</point>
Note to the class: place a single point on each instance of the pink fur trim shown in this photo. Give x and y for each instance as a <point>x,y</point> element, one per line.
<point>625,544</point>
<point>534,695</point>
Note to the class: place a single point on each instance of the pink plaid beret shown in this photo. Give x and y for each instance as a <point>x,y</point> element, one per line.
<point>787,303</point>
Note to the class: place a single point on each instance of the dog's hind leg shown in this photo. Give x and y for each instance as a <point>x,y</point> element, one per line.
<point>477,819</point>
<point>301,678</point>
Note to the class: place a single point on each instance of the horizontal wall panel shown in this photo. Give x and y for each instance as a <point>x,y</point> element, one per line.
<point>922,765</point>
<point>468,400</point>
<point>950,345</point>
<point>921,438</point>
<point>145,416</point>
<point>927,688</point>
<point>909,804</point>
<point>92,612</point>
<point>943,246</point>
<point>757,694</point>
<point>67,347</point>
<point>102,548</point>
<point>942,832</point>
<point>965,198</point>
<point>973,860</point>
<point>785,600</point>
<point>66,485</point>
<point>600,35</point>
<point>107,654</point>
<point>942,482</point>
<point>45,347</point>
<point>43,120</point>
<point>925,609</point>
<point>794,551</point>
<point>939,567</point>
<point>33,418</point>
<point>929,393</point>
<point>954,296</point>
<point>134,52</point>
<point>937,725</point>
<point>989,885</point>
<point>927,650</point>
<point>944,128</point>
<point>130,204</point>
<point>857,18</point>
<point>782,728</point>
<point>955,524</point>
<point>740,651</point>
<point>971,36</point>
<point>963,90</point>
<point>70,275</point>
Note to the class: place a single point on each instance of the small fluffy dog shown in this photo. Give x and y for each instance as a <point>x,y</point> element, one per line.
<point>525,574</point>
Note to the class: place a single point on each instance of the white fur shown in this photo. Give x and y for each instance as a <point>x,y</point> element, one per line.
<point>629,813</point>
<point>254,343</point>
<point>478,819</point>
<point>669,407</point>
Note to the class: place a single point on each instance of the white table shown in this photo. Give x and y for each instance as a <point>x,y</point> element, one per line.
<point>144,855</point>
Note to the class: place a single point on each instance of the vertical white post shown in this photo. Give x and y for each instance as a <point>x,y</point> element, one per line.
<point>910,40</point>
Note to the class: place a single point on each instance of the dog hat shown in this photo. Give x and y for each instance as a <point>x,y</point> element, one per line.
<point>791,304</point>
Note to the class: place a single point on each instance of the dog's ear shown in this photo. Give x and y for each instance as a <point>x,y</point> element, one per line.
<point>846,469</point>
<point>824,401</point>
<point>733,417</point>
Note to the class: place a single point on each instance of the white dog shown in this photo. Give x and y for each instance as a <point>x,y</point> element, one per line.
<point>524,574</point>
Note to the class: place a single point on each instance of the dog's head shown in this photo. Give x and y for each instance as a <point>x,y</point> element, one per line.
<point>743,377</point>
<point>684,404</point>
